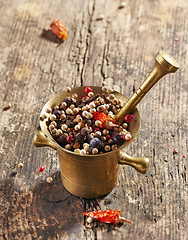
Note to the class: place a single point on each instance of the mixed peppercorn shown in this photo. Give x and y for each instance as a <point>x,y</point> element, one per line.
<point>86,126</point>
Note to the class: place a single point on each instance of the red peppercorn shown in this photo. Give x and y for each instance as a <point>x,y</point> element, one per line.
<point>175,152</point>
<point>88,89</point>
<point>108,137</point>
<point>41,169</point>
<point>124,137</point>
<point>129,118</point>
<point>69,138</point>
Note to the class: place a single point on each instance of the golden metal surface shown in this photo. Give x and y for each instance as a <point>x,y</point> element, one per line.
<point>40,140</point>
<point>88,176</point>
<point>141,164</point>
<point>164,64</point>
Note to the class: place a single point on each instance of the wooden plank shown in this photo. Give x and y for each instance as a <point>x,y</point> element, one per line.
<point>116,51</point>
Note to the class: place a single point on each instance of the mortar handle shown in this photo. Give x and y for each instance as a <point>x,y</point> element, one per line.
<point>141,164</point>
<point>40,140</point>
<point>164,64</point>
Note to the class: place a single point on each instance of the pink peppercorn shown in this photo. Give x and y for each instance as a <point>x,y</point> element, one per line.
<point>129,118</point>
<point>107,137</point>
<point>124,137</point>
<point>88,89</point>
<point>177,39</point>
<point>41,169</point>
<point>69,138</point>
<point>175,152</point>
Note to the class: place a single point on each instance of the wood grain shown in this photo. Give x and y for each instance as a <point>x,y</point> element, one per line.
<point>116,51</point>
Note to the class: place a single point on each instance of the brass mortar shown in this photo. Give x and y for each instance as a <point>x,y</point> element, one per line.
<point>93,176</point>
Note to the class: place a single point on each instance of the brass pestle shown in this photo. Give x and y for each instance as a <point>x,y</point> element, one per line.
<point>164,64</point>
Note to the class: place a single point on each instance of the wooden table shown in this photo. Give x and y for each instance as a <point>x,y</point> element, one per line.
<point>107,45</point>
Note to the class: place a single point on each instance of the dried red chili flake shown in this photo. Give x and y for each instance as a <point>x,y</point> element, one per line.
<point>69,138</point>
<point>88,89</point>
<point>175,152</point>
<point>41,169</point>
<point>103,118</point>
<point>129,118</point>
<point>184,156</point>
<point>58,29</point>
<point>107,216</point>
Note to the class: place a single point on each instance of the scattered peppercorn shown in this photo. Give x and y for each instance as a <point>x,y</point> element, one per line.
<point>129,118</point>
<point>122,5</point>
<point>88,89</point>
<point>175,152</point>
<point>177,39</point>
<point>20,165</point>
<point>41,169</point>
<point>49,179</point>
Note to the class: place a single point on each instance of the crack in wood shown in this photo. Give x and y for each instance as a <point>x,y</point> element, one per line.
<point>87,43</point>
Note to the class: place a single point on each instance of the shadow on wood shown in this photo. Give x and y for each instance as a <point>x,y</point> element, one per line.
<point>46,211</point>
<point>51,37</point>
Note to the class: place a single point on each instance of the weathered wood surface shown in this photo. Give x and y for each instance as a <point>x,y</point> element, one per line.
<point>117,51</point>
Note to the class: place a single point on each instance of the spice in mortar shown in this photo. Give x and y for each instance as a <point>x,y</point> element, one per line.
<point>86,126</point>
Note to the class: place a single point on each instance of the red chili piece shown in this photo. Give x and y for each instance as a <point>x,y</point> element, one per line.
<point>129,118</point>
<point>175,152</point>
<point>88,89</point>
<point>107,216</point>
<point>184,156</point>
<point>69,138</point>
<point>41,169</point>
<point>58,29</point>
<point>102,117</point>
